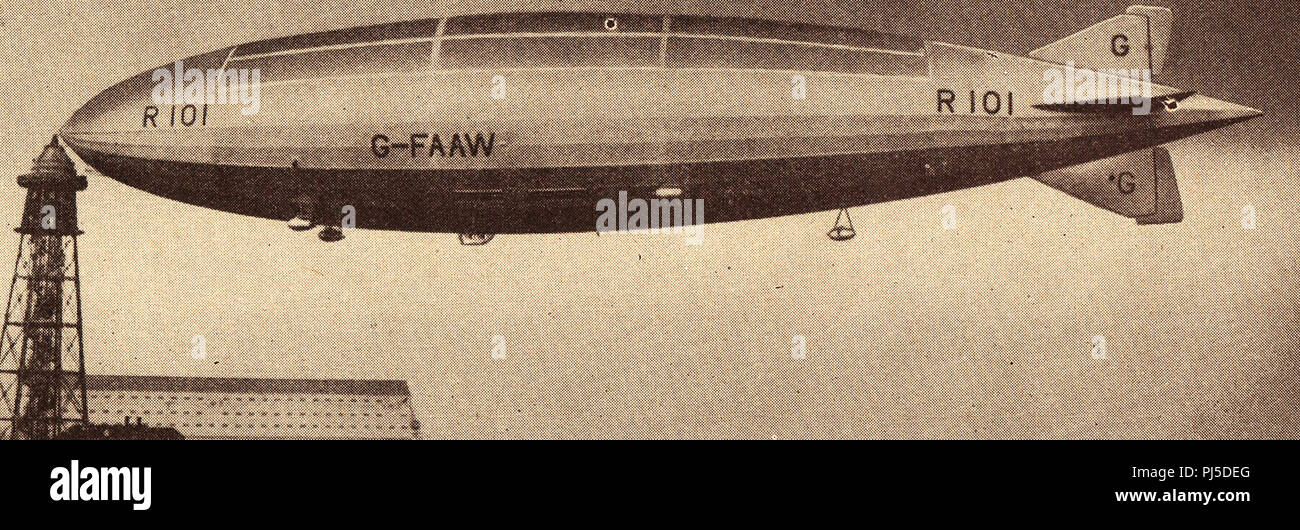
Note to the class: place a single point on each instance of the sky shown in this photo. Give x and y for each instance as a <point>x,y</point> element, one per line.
<point>984,331</point>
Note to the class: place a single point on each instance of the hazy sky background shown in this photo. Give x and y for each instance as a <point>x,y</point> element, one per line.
<point>912,330</point>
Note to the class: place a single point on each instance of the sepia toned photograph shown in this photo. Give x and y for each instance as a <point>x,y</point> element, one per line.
<point>776,220</point>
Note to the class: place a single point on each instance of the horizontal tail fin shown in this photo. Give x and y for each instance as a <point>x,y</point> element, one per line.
<point>1138,39</point>
<point>1140,185</point>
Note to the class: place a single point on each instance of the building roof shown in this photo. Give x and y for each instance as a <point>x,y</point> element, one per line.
<point>151,383</point>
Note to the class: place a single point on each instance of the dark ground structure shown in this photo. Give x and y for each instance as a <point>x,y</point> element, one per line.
<point>256,408</point>
<point>41,338</point>
<point>122,431</point>
<point>47,395</point>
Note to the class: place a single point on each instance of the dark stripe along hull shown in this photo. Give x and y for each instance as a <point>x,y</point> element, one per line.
<point>734,190</point>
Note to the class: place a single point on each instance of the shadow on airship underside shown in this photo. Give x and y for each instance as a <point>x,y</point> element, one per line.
<point>426,201</point>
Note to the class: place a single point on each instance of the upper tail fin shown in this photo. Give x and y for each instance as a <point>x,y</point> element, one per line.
<point>1138,39</point>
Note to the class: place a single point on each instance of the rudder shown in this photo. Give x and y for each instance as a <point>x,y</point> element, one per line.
<point>1138,39</point>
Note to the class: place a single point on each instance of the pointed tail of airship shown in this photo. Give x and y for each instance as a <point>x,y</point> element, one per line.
<point>1136,40</point>
<point>1141,184</point>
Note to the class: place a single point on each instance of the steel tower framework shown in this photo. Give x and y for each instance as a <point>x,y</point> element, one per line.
<point>42,327</point>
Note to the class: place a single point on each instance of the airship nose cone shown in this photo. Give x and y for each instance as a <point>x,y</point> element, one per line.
<point>124,119</point>
<point>75,131</point>
<point>110,118</point>
<point>90,117</point>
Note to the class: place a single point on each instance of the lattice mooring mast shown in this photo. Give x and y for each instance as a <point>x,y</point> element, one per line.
<point>41,339</point>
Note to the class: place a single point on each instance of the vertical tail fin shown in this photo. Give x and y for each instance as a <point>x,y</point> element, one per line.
<point>1138,39</point>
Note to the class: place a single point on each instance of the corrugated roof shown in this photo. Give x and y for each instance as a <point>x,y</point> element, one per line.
<point>153,383</point>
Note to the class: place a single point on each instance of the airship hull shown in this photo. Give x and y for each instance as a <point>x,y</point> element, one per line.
<point>427,128</point>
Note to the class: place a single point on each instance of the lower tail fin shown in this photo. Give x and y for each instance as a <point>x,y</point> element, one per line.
<point>1169,205</point>
<point>1140,185</point>
<point>1138,39</point>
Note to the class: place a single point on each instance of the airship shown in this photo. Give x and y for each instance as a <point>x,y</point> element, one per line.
<point>525,123</point>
